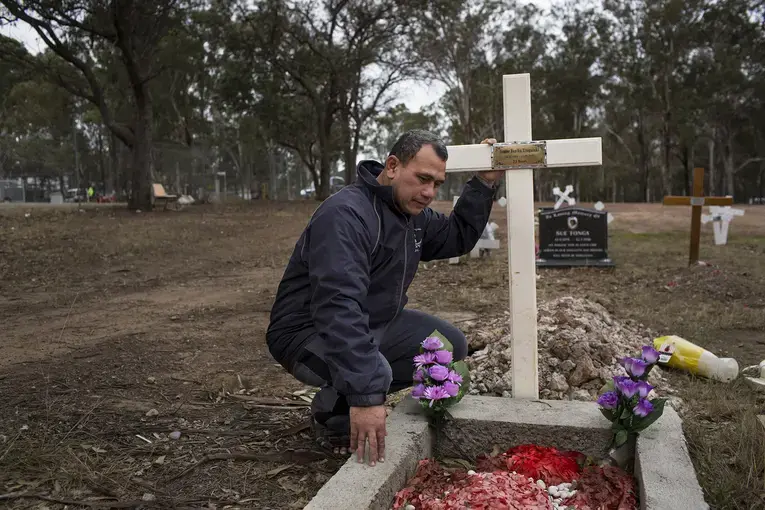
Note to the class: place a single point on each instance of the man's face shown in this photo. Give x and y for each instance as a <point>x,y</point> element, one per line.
<point>415,184</point>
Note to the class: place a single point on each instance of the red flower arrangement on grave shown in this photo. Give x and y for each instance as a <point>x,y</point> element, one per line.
<point>525,477</point>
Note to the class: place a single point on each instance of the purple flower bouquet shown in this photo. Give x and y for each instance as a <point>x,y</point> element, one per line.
<point>624,401</point>
<point>439,381</point>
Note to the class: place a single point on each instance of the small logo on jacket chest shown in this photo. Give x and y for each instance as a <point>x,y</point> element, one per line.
<point>417,242</point>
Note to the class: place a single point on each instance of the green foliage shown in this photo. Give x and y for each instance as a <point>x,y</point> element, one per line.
<point>292,91</point>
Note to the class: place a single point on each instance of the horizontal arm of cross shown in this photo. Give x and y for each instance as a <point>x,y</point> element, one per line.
<point>560,153</point>
<point>673,200</point>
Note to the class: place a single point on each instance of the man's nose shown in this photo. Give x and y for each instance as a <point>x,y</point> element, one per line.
<point>429,191</point>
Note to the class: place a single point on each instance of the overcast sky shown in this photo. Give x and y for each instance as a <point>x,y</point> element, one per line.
<point>414,95</point>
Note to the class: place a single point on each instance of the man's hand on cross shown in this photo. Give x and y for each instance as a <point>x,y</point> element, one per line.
<point>495,175</point>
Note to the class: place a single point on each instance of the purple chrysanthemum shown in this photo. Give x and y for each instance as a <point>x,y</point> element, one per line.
<point>455,377</point>
<point>637,367</point>
<point>418,376</point>
<point>626,387</point>
<point>435,393</point>
<point>642,408</point>
<point>427,358</point>
<point>608,400</point>
<point>451,388</point>
<point>432,343</point>
<point>418,391</point>
<point>643,389</point>
<point>443,357</point>
<point>438,372</point>
<point>650,355</point>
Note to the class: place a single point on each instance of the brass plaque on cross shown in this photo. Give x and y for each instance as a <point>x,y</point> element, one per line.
<point>505,156</point>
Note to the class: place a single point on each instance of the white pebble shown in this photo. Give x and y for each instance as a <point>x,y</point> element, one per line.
<point>471,472</point>
<point>409,507</point>
<point>541,484</point>
<point>175,434</point>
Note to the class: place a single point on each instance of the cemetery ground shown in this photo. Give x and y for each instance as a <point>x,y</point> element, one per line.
<point>119,330</point>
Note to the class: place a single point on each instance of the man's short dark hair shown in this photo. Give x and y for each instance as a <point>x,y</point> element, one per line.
<point>410,143</point>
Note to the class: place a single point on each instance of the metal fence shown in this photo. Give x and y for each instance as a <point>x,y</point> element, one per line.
<point>12,190</point>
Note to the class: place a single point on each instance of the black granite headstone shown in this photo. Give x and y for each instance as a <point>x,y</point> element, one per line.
<point>573,236</point>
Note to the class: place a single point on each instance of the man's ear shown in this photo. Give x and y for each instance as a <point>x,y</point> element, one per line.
<point>392,164</point>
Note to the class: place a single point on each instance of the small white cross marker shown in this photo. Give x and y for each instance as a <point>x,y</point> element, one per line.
<point>519,155</point>
<point>599,206</point>
<point>721,218</point>
<point>563,196</point>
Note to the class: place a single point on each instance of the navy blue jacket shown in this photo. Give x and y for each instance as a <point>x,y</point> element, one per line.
<point>350,270</point>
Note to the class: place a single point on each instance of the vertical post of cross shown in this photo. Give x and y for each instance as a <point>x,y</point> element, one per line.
<point>698,191</point>
<point>697,200</point>
<point>519,186</point>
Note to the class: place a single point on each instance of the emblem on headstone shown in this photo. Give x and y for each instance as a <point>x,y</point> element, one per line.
<point>573,222</point>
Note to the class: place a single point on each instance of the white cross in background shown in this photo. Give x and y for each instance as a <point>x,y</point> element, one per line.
<point>520,154</point>
<point>487,240</point>
<point>721,218</point>
<point>599,206</point>
<point>563,196</point>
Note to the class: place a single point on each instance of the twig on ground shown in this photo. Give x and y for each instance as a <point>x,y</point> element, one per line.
<point>294,430</point>
<point>181,379</point>
<point>10,446</point>
<point>275,408</point>
<point>68,313</point>
<point>296,456</point>
<point>93,504</point>
<point>270,401</point>
<point>78,423</point>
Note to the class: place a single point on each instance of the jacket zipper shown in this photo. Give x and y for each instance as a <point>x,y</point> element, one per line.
<point>403,277</point>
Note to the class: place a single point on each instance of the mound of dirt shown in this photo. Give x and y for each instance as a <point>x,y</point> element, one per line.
<point>580,344</point>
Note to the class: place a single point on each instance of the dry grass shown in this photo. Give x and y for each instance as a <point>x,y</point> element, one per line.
<point>93,303</point>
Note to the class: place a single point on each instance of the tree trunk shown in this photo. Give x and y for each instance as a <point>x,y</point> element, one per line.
<point>666,169</point>
<point>728,166</point>
<point>643,158</point>
<point>712,176</point>
<point>114,162</point>
<point>140,195</point>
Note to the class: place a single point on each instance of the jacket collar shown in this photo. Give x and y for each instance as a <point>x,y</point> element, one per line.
<point>367,172</point>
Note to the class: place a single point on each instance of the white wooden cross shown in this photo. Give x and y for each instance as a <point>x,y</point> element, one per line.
<point>519,155</point>
<point>721,218</point>
<point>563,196</point>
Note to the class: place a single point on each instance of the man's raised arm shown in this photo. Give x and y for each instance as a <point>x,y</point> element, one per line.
<point>457,234</point>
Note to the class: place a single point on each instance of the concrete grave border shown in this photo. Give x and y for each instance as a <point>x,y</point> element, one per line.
<point>663,468</point>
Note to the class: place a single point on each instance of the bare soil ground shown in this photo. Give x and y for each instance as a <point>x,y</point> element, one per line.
<point>118,329</point>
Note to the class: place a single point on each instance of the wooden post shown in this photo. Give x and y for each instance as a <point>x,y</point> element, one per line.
<point>697,201</point>
<point>698,191</point>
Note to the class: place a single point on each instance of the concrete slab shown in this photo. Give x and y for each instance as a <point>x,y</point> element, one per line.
<point>663,467</point>
<point>358,486</point>
<point>487,421</point>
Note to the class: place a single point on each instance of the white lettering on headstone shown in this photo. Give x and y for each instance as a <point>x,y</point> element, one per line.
<point>563,196</point>
<point>519,184</point>
<point>721,218</point>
